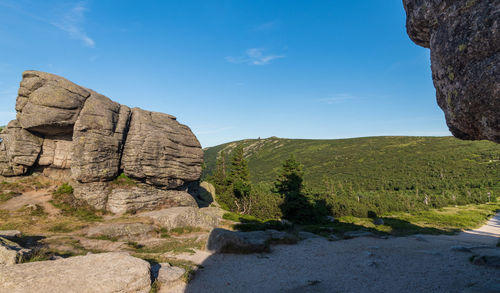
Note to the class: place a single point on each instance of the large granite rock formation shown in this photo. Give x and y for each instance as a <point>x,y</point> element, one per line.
<point>464,39</point>
<point>63,126</point>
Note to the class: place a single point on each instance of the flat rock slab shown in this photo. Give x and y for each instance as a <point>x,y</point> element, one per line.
<point>105,272</point>
<point>119,230</point>
<point>186,217</point>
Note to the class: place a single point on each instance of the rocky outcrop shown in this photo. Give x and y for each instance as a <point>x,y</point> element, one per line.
<point>105,272</point>
<point>63,126</point>
<point>464,39</point>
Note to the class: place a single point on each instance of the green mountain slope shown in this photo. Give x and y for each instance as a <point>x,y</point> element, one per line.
<point>374,163</point>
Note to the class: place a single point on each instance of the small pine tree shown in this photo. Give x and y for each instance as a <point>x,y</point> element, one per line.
<point>240,180</point>
<point>290,180</point>
<point>290,184</point>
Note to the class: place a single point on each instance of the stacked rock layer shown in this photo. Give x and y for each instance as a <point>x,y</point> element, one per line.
<point>75,131</point>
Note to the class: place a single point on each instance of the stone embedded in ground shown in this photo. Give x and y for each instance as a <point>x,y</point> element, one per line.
<point>11,252</point>
<point>121,230</point>
<point>225,241</point>
<point>67,131</point>
<point>464,39</point>
<point>176,217</point>
<point>487,260</point>
<point>169,277</point>
<point>10,234</point>
<point>105,272</point>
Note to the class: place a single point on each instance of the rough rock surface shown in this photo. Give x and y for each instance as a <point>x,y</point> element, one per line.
<point>19,149</point>
<point>161,151</point>
<point>225,241</point>
<point>49,104</point>
<point>68,130</point>
<point>120,230</point>
<point>464,39</point>
<point>186,217</point>
<point>144,197</point>
<point>207,192</point>
<point>169,277</point>
<point>105,272</point>
<point>11,252</point>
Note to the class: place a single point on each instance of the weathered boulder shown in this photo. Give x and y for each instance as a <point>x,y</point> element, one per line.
<point>464,39</point>
<point>160,150</point>
<point>49,104</point>
<point>11,252</point>
<point>207,192</point>
<point>168,277</point>
<point>68,131</point>
<point>19,149</point>
<point>98,139</point>
<point>105,272</point>
<point>186,217</point>
<point>225,241</point>
<point>120,230</point>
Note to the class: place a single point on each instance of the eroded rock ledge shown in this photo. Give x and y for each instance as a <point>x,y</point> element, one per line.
<point>464,39</point>
<point>72,131</point>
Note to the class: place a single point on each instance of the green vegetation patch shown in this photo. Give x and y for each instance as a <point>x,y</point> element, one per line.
<point>64,200</point>
<point>352,177</point>
<point>123,181</point>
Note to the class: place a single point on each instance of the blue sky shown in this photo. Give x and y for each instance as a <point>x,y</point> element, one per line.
<point>233,69</point>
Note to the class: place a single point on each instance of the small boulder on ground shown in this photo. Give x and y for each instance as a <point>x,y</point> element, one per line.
<point>105,272</point>
<point>168,277</point>
<point>10,234</point>
<point>487,260</point>
<point>11,252</point>
<point>225,241</point>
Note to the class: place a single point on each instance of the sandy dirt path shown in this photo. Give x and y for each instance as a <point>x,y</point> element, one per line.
<point>420,263</point>
<point>40,197</point>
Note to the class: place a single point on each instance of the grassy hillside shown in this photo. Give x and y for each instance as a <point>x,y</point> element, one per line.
<point>372,162</point>
<point>440,170</point>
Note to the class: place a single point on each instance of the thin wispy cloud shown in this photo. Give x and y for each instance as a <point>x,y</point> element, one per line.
<point>254,56</point>
<point>72,23</point>
<point>71,20</point>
